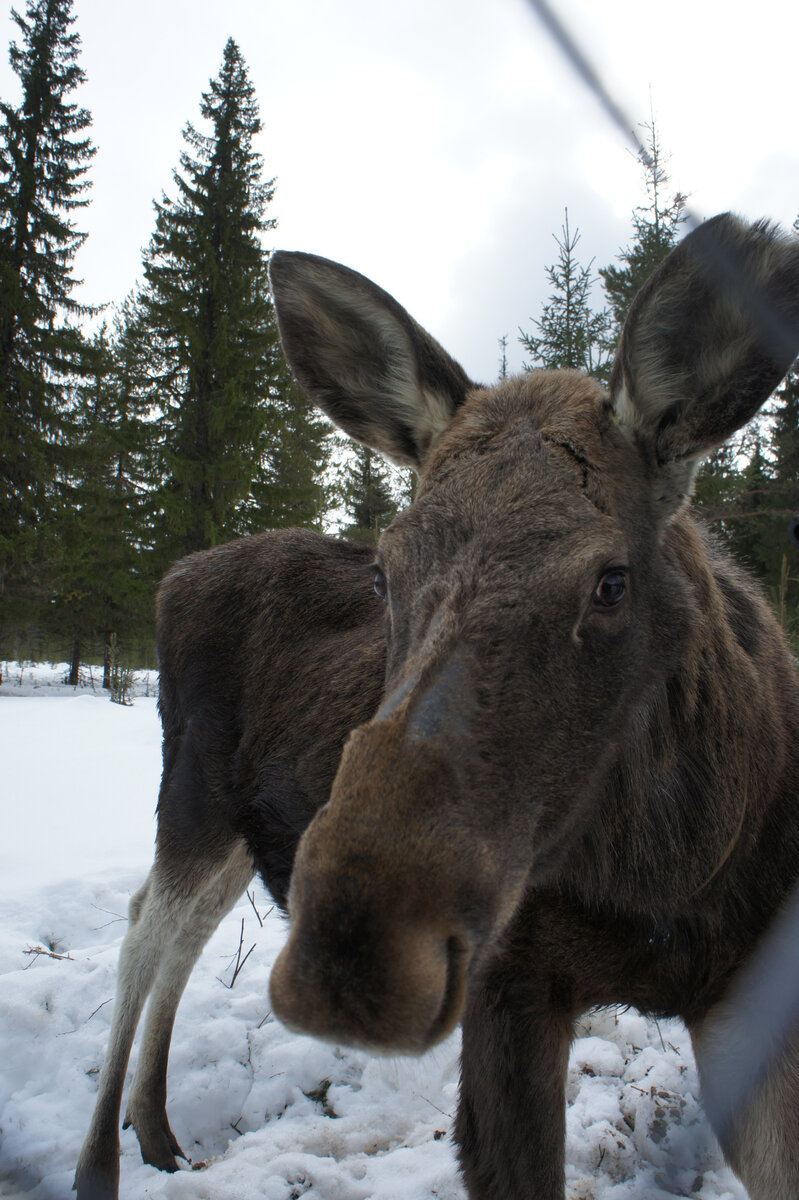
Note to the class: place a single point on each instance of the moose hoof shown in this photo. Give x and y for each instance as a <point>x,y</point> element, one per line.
<point>159,1146</point>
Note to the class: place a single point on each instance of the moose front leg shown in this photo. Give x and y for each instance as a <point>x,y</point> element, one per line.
<point>146,1110</point>
<point>511,1122</point>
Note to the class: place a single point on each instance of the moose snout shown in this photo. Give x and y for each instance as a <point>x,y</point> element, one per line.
<point>386,905</point>
<point>398,991</point>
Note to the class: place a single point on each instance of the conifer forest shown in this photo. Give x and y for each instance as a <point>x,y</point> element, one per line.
<point>168,421</point>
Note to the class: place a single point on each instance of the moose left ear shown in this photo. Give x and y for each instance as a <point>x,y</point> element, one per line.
<point>708,338</point>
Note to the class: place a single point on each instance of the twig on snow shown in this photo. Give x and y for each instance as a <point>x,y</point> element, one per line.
<point>239,960</point>
<point>111,913</point>
<point>37,950</point>
<point>254,909</point>
<point>91,1014</point>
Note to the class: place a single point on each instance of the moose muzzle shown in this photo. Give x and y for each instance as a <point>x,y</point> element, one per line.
<point>389,900</point>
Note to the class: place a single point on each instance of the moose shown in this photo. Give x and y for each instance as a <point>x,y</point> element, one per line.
<point>537,753</point>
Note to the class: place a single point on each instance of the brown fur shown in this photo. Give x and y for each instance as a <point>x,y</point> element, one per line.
<point>580,786</point>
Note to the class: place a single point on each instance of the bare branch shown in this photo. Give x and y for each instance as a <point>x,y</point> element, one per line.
<point>239,960</point>
<point>254,909</point>
<point>36,951</point>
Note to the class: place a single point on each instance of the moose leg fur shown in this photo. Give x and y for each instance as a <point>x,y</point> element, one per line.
<point>511,1122</point>
<point>147,940</point>
<point>159,914</point>
<point>763,1147</point>
<point>146,1110</point>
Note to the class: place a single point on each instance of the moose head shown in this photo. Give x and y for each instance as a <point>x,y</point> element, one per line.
<point>539,592</point>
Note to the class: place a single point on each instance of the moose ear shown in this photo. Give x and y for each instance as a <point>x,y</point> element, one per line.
<point>707,339</point>
<point>362,358</point>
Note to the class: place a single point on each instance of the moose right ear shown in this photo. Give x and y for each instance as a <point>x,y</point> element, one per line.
<point>359,355</point>
<point>708,338</point>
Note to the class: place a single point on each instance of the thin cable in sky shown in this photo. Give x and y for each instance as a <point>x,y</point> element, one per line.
<point>590,76</point>
<point>776,334</point>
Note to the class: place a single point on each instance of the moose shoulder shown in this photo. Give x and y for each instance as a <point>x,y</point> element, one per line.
<point>576,783</point>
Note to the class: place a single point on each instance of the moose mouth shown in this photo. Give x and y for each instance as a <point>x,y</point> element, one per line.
<point>452,1002</point>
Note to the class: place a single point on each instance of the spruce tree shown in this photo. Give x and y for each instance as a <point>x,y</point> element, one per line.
<point>404,490</point>
<point>718,484</point>
<point>785,441</point>
<point>749,523</point>
<point>784,445</point>
<point>367,492</point>
<point>570,334</point>
<point>136,416</point>
<point>503,358</point>
<point>290,486</point>
<point>102,576</point>
<point>785,435</point>
<point>784,493</point>
<point>44,156</point>
<point>738,493</point>
<point>209,322</point>
<point>657,227</point>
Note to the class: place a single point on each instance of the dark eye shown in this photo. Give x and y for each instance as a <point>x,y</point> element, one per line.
<point>610,590</point>
<point>381,586</point>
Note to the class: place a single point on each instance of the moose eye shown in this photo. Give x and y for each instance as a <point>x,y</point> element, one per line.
<point>610,590</point>
<point>380,585</point>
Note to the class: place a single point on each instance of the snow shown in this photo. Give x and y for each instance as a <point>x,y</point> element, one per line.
<point>259,1111</point>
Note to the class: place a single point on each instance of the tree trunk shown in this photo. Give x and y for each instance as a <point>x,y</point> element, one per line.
<point>74,671</point>
<point>107,663</point>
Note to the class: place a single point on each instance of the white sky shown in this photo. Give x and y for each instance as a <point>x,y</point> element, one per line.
<point>432,144</point>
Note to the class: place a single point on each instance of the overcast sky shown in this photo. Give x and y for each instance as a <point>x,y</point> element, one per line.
<point>433,144</point>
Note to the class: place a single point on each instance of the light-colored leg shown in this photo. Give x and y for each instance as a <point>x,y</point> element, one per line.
<point>146,1110</point>
<point>762,1142</point>
<point>147,940</point>
<point>160,915</point>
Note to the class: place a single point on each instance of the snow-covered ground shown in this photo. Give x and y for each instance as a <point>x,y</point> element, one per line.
<point>260,1111</point>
